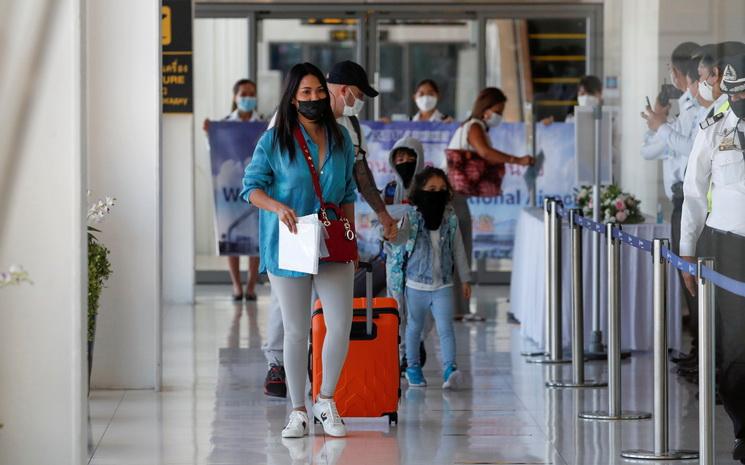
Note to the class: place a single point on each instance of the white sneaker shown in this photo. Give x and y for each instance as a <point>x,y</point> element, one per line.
<point>297,427</point>
<point>325,412</point>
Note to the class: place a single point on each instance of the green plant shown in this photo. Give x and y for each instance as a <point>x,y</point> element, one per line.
<point>99,271</point>
<point>99,266</point>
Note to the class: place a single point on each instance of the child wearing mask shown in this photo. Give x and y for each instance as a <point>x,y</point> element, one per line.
<point>406,160</point>
<point>433,248</point>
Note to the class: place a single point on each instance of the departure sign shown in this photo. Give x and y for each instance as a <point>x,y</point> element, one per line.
<point>177,75</point>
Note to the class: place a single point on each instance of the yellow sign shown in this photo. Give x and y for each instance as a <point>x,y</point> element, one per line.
<point>166,32</point>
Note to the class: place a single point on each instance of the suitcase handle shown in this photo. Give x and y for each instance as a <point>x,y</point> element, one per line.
<point>367,266</point>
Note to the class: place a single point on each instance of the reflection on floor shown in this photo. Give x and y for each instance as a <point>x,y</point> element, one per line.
<point>213,411</point>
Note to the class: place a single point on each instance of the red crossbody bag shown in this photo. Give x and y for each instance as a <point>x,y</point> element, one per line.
<point>342,240</point>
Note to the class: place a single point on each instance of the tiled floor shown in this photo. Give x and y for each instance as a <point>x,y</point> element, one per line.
<point>213,411</point>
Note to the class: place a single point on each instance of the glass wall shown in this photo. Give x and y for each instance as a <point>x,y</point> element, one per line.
<point>412,50</point>
<point>281,43</point>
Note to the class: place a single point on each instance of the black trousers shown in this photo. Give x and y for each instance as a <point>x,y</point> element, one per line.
<point>690,300</point>
<point>728,251</point>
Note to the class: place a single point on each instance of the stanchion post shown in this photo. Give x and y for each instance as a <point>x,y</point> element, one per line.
<point>548,335</point>
<point>614,411</point>
<point>556,350</point>
<point>706,351</point>
<point>661,415</point>
<point>553,336</point>
<point>578,326</point>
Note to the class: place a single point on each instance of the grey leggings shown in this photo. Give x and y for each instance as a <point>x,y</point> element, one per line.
<point>334,284</point>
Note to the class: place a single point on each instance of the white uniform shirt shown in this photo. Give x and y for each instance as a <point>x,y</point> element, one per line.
<point>725,172</point>
<point>436,116</point>
<point>677,136</point>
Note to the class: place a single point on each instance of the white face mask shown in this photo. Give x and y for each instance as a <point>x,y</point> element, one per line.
<point>706,90</point>
<point>426,102</point>
<point>494,120</point>
<point>587,100</point>
<point>356,107</point>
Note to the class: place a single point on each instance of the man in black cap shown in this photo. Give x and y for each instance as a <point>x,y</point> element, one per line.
<point>717,162</point>
<point>348,85</point>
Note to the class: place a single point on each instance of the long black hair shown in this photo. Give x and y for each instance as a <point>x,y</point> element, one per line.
<point>237,87</point>
<point>287,119</point>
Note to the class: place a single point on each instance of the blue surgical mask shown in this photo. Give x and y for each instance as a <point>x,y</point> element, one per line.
<point>246,104</point>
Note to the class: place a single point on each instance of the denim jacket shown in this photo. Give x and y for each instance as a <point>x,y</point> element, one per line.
<point>413,250</point>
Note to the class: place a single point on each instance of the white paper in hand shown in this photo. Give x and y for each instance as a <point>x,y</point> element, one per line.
<point>300,252</point>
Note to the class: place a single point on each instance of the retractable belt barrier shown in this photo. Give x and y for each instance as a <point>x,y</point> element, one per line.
<point>707,278</point>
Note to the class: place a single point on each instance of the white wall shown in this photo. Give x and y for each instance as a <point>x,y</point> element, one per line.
<point>220,59</point>
<point>42,327</point>
<point>639,78</point>
<point>178,208</point>
<point>123,63</point>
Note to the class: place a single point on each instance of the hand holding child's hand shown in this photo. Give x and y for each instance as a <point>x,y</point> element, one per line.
<point>466,291</point>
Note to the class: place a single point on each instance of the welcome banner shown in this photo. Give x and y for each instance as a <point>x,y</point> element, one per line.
<point>494,218</point>
<point>236,223</point>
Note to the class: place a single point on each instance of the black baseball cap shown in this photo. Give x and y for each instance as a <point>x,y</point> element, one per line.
<point>733,78</point>
<point>351,74</point>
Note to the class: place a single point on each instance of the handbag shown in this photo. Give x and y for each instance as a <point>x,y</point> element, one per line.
<point>471,175</point>
<point>341,240</point>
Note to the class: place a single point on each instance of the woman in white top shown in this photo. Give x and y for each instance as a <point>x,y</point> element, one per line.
<point>242,109</point>
<point>426,96</point>
<point>473,135</point>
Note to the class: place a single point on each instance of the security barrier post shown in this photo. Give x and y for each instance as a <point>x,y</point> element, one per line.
<point>554,342</point>
<point>614,411</point>
<point>578,326</point>
<point>661,415</point>
<point>706,344</point>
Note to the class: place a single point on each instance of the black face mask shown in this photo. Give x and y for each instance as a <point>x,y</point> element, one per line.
<point>432,206</point>
<point>314,110</point>
<point>738,107</point>
<point>406,171</point>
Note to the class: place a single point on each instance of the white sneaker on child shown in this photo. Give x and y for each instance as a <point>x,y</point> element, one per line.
<point>297,426</point>
<point>324,410</point>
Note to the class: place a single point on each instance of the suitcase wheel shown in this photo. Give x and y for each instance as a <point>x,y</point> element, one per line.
<point>392,418</point>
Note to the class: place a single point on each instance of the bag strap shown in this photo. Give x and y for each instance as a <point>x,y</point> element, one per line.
<point>358,130</point>
<point>309,160</point>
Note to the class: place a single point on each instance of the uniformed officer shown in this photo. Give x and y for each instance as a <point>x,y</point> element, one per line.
<point>717,163</point>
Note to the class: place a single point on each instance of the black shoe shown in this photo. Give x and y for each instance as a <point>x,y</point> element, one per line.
<point>738,452</point>
<point>237,297</point>
<point>403,365</point>
<point>251,297</point>
<point>274,385</point>
<point>422,354</point>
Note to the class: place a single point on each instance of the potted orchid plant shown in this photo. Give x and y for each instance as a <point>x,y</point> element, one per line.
<point>99,269</point>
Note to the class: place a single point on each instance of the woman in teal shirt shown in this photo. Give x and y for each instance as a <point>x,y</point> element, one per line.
<point>278,181</point>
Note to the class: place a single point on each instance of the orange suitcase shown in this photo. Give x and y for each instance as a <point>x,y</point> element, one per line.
<point>369,385</point>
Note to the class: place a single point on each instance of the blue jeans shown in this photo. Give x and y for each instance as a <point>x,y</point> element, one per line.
<point>418,305</point>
